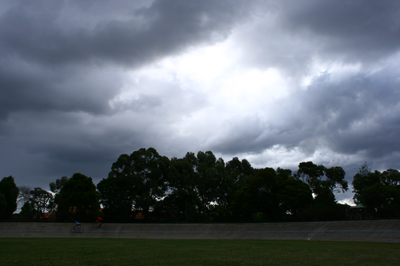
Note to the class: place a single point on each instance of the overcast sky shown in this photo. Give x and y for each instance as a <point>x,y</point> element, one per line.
<point>274,82</point>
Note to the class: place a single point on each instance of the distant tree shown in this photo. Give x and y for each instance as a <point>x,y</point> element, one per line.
<point>323,181</point>
<point>284,173</point>
<point>192,159</point>
<point>237,174</point>
<point>335,179</point>
<point>271,195</point>
<point>23,195</point>
<point>42,200</point>
<point>207,179</point>
<point>390,179</point>
<point>182,202</point>
<point>27,212</point>
<point>8,197</point>
<point>149,172</point>
<point>39,200</point>
<point>258,200</point>
<point>363,181</point>
<point>116,193</point>
<point>309,171</point>
<point>231,178</point>
<point>295,198</point>
<point>77,199</point>
<point>136,181</point>
<point>55,187</point>
<point>378,192</point>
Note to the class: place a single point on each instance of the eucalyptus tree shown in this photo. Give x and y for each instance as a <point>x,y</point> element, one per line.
<point>135,182</point>
<point>182,202</point>
<point>378,192</point>
<point>323,181</point>
<point>55,187</point>
<point>39,200</point>
<point>8,197</point>
<point>77,199</point>
<point>258,200</point>
<point>295,197</point>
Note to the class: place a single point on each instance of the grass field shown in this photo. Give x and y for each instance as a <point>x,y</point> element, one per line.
<point>84,251</point>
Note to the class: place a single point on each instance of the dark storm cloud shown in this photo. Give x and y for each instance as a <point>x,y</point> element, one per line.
<point>354,30</point>
<point>62,60</point>
<point>54,144</point>
<point>357,114</point>
<point>291,35</point>
<point>47,57</point>
<point>28,86</point>
<point>36,32</point>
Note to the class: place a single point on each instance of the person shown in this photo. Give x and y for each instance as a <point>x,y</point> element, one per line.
<point>98,221</point>
<point>77,226</point>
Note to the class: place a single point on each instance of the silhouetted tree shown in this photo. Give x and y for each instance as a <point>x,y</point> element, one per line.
<point>8,197</point>
<point>136,181</point>
<point>323,181</point>
<point>258,200</point>
<point>295,198</point>
<point>27,212</point>
<point>39,199</point>
<point>182,202</point>
<point>55,187</point>
<point>77,199</point>
<point>378,192</point>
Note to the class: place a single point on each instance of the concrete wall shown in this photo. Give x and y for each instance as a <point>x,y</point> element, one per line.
<point>381,231</point>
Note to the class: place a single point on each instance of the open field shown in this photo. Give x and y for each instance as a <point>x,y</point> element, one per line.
<point>97,251</point>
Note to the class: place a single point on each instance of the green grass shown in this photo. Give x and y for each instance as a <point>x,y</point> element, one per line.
<point>102,251</point>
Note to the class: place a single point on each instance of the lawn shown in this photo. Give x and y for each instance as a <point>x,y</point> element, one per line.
<point>102,251</point>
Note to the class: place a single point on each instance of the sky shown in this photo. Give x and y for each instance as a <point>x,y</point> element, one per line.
<point>273,82</point>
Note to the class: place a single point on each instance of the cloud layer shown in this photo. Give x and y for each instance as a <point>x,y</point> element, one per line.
<point>277,83</point>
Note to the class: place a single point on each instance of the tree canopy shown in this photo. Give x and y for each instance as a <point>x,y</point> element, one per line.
<point>137,181</point>
<point>203,188</point>
<point>378,192</point>
<point>39,200</point>
<point>77,199</point>
<point>8,197</point>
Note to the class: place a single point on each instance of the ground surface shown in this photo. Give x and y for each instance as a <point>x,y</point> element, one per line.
<point>374,231</point>
<point>121,251</point>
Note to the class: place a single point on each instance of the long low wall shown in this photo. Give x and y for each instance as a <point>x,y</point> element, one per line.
<point>380,231</point>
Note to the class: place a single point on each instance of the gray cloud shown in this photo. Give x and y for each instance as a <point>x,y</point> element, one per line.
<point>40,31</point>
<point>353,30</point>
<point>51,61</point>
<point>73,95</point>
<point>356,115</point>
<point>28,86</point>
<point>291,35</point>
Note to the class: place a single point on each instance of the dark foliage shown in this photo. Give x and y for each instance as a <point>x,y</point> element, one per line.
<point>77,200</point>
<point>148,187</point>
<point>378,192</point>
<point>8,197</point>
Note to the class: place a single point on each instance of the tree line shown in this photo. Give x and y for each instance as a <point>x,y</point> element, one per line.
<point>203,188</point>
